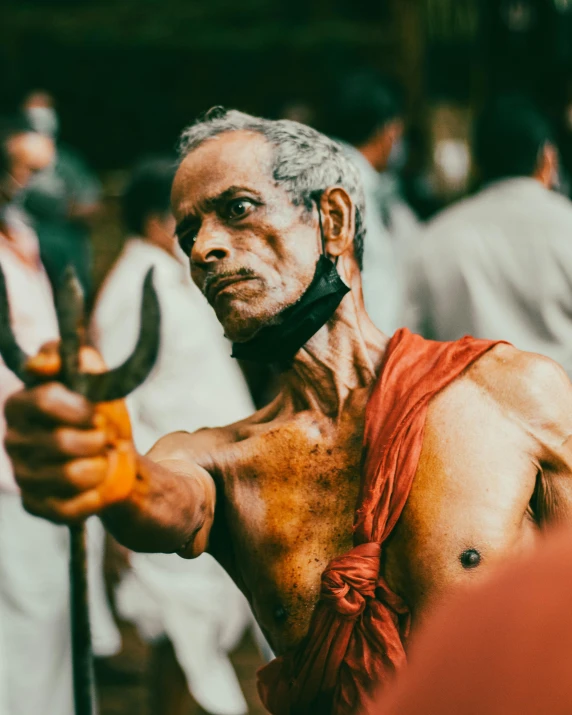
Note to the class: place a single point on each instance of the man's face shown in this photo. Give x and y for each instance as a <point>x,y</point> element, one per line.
<point>253,253</point>
<point>28,154</point>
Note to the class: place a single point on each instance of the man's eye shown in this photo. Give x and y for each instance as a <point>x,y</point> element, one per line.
<point>187,241</point>
<point>239,208</point>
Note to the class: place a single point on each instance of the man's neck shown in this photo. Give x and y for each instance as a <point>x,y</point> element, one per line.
<point>343,356</point>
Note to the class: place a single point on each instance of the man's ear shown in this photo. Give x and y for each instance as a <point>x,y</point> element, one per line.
<point>338,221</point>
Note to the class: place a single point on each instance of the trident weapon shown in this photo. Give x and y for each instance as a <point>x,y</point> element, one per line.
<point>101,387</point>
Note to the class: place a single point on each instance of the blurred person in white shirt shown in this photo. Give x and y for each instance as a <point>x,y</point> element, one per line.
<point>34,610</point>
<point>191,608</point>
<point>498,265</point>
<point>35,652</point>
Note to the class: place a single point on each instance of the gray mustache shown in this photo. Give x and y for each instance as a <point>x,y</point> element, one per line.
<point>212,278</point>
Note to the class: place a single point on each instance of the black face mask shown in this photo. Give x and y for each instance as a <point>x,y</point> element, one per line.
<point>278,344</point>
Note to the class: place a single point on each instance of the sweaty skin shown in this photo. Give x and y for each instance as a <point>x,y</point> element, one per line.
<point>273,497</point>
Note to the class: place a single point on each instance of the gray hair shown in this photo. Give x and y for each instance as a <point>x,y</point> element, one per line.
<point>306,162</point>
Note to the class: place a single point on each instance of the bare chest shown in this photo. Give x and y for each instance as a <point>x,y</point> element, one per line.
<point>290,493</point>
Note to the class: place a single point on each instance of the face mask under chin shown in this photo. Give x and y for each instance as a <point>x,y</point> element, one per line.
<point>278,344</point>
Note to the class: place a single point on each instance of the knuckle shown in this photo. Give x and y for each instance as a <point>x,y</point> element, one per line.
<point>73,471</point>
<point>65,511</point>
<point>21,473</point>
<point>50,348</point>
<point>35,507</point>
<point>44,397</point>
<point>85,473</point>
<point>55,510</point>
<point>13,405</point>
<point>12,402</point>
<point>12,439</point>
<point>63,440</point>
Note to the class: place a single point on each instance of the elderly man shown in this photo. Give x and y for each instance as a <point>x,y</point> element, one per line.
<point>454,453</point>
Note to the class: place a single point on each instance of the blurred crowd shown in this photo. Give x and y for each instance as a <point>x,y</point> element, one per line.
<point>496,263</point>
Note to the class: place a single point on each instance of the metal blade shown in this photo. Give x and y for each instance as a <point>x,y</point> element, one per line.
<point>14,357</point>
<point>120,381</point>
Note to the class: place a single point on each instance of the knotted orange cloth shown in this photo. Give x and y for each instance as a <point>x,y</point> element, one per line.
<point>356,638</point>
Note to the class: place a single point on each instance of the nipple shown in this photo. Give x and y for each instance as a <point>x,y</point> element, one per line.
<point>470,559</point>
<point>280,614</point>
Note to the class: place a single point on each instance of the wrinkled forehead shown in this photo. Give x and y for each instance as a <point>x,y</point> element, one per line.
<point>236,158</point>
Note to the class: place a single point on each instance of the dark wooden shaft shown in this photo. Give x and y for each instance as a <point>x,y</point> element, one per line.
<point>83,684</point>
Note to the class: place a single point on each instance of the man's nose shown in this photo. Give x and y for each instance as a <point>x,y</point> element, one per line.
<point>212,244</point>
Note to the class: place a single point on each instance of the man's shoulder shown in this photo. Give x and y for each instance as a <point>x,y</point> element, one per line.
<point>528,387</point>
<point>207,446</point>
<point>557,207</point>
<point>493,201</point>
<point>521,367</point>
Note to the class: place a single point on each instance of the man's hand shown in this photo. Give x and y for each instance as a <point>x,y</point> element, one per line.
<point>71,458</point>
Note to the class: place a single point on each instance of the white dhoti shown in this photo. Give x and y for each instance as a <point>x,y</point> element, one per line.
<point>105,636</point>
<point>35,641</point>
<point>3,681</point>
<point>198,608</point>
<point>34,612</point>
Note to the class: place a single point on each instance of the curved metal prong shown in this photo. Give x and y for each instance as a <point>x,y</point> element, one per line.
<point>119,382</point>
<point>14,357</point>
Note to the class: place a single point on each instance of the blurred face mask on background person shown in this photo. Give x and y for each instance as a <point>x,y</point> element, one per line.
<point>44,120</point>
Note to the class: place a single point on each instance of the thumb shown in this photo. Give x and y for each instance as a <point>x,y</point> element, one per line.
<point>47,363</point>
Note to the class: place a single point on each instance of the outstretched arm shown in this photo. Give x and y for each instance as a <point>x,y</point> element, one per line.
<point>72,459</point>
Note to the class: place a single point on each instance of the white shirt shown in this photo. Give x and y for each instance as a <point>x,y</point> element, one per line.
<point>498,265</point>
<point>195,382</point>
<point>32,312</point>
<point>381,274</point>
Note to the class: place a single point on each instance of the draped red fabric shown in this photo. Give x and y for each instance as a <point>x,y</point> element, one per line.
<point>356,638</point>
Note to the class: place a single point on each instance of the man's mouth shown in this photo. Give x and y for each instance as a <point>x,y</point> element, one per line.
<point>218,285</point>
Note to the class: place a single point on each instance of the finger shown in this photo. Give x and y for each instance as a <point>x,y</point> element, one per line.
<point>47,362</point>
<point>61,480</point>
<point>48,404</point>
<point>62,443</point>
<point>65,511</point>
<point>91,361</point>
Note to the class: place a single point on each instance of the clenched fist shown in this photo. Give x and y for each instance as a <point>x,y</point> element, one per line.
<point>71,458</point>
